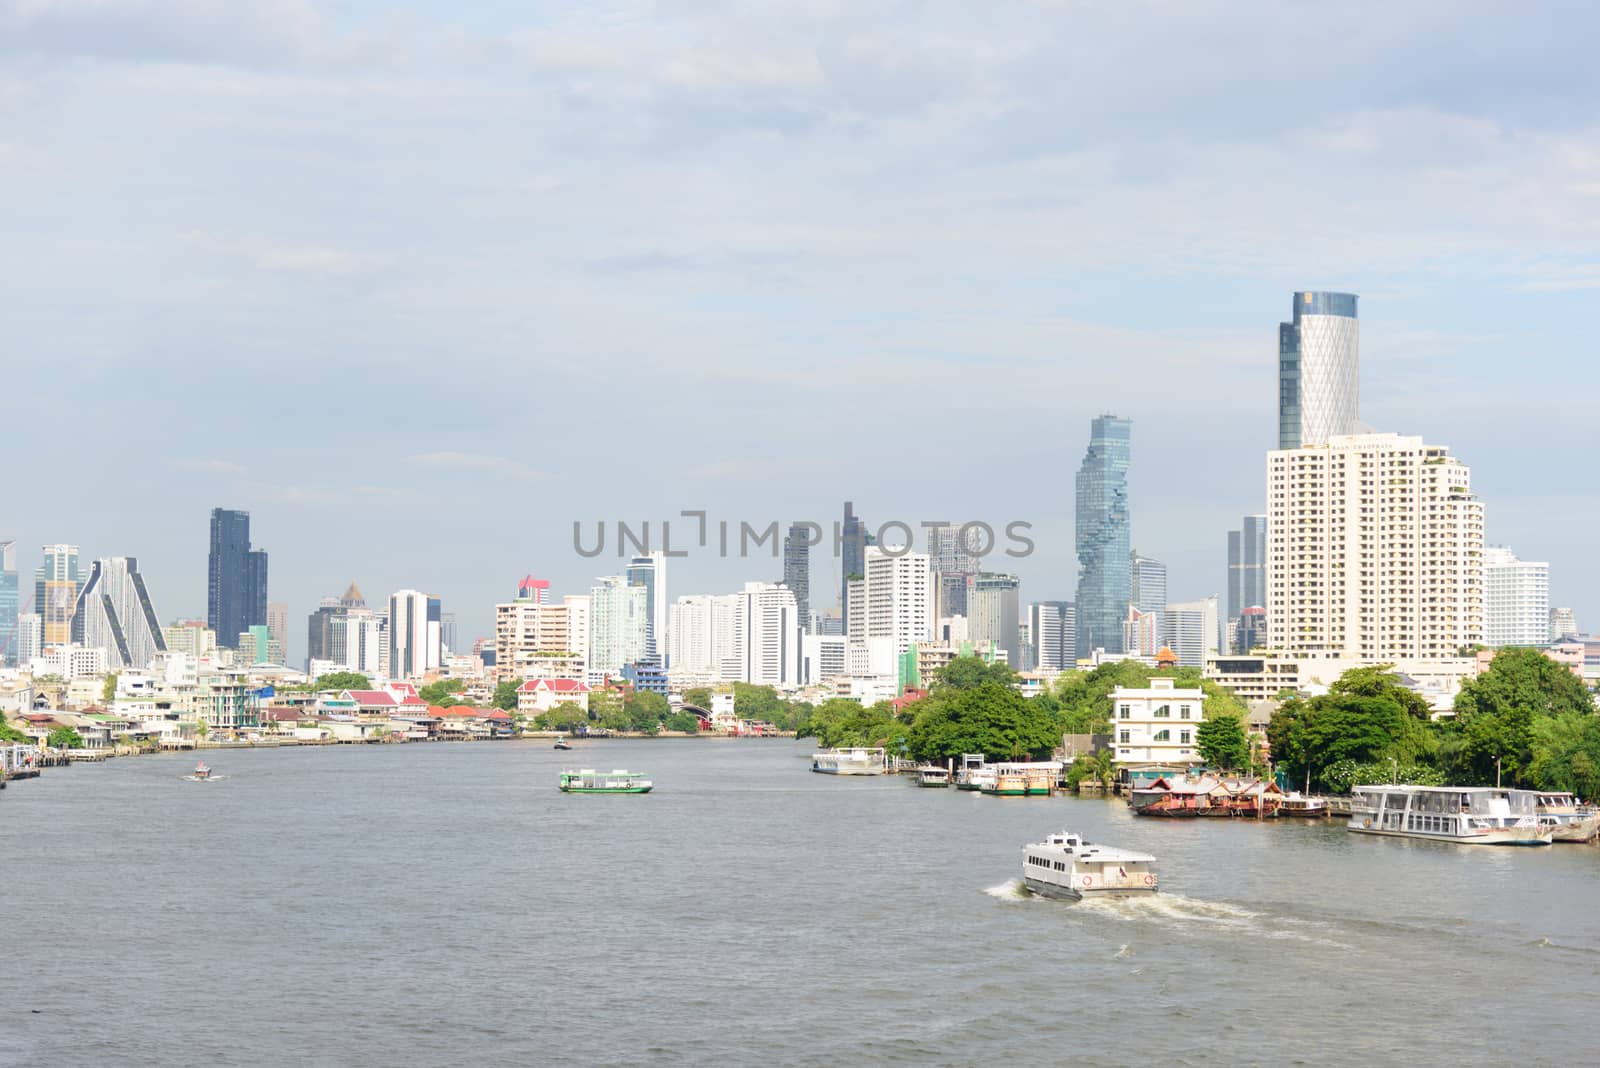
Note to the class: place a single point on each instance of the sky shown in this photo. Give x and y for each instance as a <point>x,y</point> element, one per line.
<point>422,284</point>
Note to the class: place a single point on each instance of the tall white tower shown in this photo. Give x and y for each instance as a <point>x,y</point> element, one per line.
<point>1319,370</point>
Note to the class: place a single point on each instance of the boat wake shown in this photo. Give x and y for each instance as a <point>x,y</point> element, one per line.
<point>1011,890</point>
<point>1192,915</point>
<point>202,778</point>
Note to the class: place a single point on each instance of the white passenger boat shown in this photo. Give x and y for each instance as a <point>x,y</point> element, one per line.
<point>1568,819</point>
<point>973,771</point>
<point>1066,866</point>
<point>1472,815</point>
<point>858,760</point>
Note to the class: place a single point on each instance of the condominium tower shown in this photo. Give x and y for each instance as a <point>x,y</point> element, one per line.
<point>114,613</point>
<point>1374,550</point>
<point>236,578</point>
<point>1516,599</point>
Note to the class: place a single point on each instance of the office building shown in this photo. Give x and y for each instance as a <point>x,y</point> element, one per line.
<point>1374,551</point>
<point>10,603</point>
<point>190,637</point>
<point>1516,599</point>
<point>55,592</point>
<point>1319,371</point>
<point>650,573</point>
<point>705,635</point>
<point>359,641</point>
<point>617,615</point>
<point>954,562</point>
<point>993,611</point>
<point>1147,595</point>
<point>897,599</point>
<point>278,623</point>
<point>1190,630</point>
<point>257,646</point>
<point>236,578</point>
<point>1051,626</point>
<point>114,613</point>
<point>797,569</point>
<point>1563,624</point>
<point>1247,573</point>
<point>852,555</point>
<point>1103,536</point>
<point>415,635</point>
<point>30,637</point>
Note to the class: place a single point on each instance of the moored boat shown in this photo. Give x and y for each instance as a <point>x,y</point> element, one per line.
<point>1470,815</point>
<point>933,776</point>
<point>1066,866</point>
<point>1568,819</point>
<point>1007,784</point>
<point>856,760</point>
<point>973,772</point>
<point>1304,806</point>
<point>617,781</point>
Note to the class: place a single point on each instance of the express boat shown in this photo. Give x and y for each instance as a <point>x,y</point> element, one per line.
<point>1068,867</point>
<point>589,781</point>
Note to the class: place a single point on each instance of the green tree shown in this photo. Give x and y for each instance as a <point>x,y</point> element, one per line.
<point>1084,697</point>
<point>683,722</point>
<point>343,680</point>
<point>439,693</point>
<point>1222,743</point>
<point>64,738</point>
<point>645,710</point>
<point>840,721</point>
<point>108,689</point>
<point>1496,713</point>
<point>1566,754</point>
<point>1105,769</point>
<point>505,695</point>
<point>990,718</point>
<point>1366,718</point>
<point>566,716</point>
<point>968,672</point>
<point>756,702</point>
<point>8,733</point>
<point>699,696</point>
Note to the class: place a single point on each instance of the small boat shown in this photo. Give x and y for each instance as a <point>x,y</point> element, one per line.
<point>1568,819</point>
<point>1068,867</point>
<point>561,744</point>
<point>933,775</point>
<point>618,781</point>
<point>1304,806</point>
<point>857,760</point>
<point>973,771</point>
<point>202,773</point>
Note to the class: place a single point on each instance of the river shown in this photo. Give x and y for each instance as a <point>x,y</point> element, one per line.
<point>443,904</point>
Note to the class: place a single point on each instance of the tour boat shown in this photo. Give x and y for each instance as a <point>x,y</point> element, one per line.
<point>1471,815</point>
<point>1568,819</point>
<point>1007,784</point>
<point>933,775</point>
<point>618,781</point>
<point>1068,867</point>
<point>1298,804</point>
<point>561,745</point>
<point>973,772</point>
<point>857,760</point>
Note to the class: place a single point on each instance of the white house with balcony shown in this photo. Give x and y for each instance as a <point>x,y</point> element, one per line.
<point>1156,725</point>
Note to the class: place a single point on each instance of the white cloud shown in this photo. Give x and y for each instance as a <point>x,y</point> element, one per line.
<point>476,463</point>
<point>210,467</point>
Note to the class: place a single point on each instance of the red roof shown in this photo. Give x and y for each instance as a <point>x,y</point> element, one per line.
<point>553,685</point>
<point>371,697</point>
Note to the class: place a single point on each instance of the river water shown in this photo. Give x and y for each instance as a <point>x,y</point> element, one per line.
<point>443,904</point>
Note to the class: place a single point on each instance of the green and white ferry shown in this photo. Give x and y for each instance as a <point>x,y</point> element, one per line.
<point>618,781</point>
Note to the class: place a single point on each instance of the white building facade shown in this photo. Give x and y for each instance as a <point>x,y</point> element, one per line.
<point>1191,631</point>
<point>1156,725</point>
<point>1516,599</point>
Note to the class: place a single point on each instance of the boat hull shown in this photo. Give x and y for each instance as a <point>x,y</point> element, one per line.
<point>846,771</point>
<point>606,789</point>
<point>1057,892</point>
<point>1507,836</point>
<point>1581,829</point>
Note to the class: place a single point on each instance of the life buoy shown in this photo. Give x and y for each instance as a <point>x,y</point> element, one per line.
<point>1366,823</point>
<point>1149,880</point>
<point>1087,880</point>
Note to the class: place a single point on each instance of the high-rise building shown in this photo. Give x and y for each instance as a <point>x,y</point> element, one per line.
<point>30,636</point>
<point>278,623</point>
<point>898,594</point>
<point>191,637</point>
<point>415,634</point>
<point>236,578</point>
<point>55,592</point>
<point>258,646</point>
<point>617,611</point>
<point>535,638</point>
<point>993,610</point>
<point>1103,536</point>
<point>650,572</point>
<point>358,640</point>
<point>1374,551</point>
<point>1190,631</point>
<point>1247,573</point>
<point>705,635</point>
<point>319,631</point>
<point>1516,599</point>
<point>1319,370</point>
<point>114,613</point>
<point>768,635</point>
<point>797,569</point>
<point>1147,595</point>
<point>1051,625</point>
<point>10,603</point>
<point>852,555</point>
<point>1563,624</point>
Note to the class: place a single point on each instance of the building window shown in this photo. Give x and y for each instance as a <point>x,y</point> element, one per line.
<point>1183,711</point>
<point>1127,711</point>
<point>1125,737</point>
<point>1183,737</point>
<point>1162,736</point>
<point>1164,712</point>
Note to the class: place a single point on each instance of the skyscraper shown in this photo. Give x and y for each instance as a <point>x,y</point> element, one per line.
<point>852,555</point>
<point>650,571</point>
<point>9,603</point>
<point>1191,631</point>
<point>1319,370</point>
<point>278,623</point>
<point>1051,625</point>
<point>1375,551</point>
<point>114,613</point>
<point>617,613</point>
<point>1247,573</point>
<point>1103,536</point>
<point>797,569</point>
<point>993,609</point>
<point>954,565</point>
<point>1563,623</point>
<point>768,635</point>
<point>236,578</point>
<point>1516,599</point>
<point>415,634</point>
<point>55,592</point>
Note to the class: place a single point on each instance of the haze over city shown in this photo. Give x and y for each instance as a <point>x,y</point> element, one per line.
<point>420,288</point>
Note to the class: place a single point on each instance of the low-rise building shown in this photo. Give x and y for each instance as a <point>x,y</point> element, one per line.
<point>541,695</point>
<point>1156,724</point>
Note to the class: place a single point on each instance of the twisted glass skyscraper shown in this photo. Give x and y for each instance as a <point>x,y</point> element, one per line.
<point>1103,536</point>
<point>1319,370</point>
